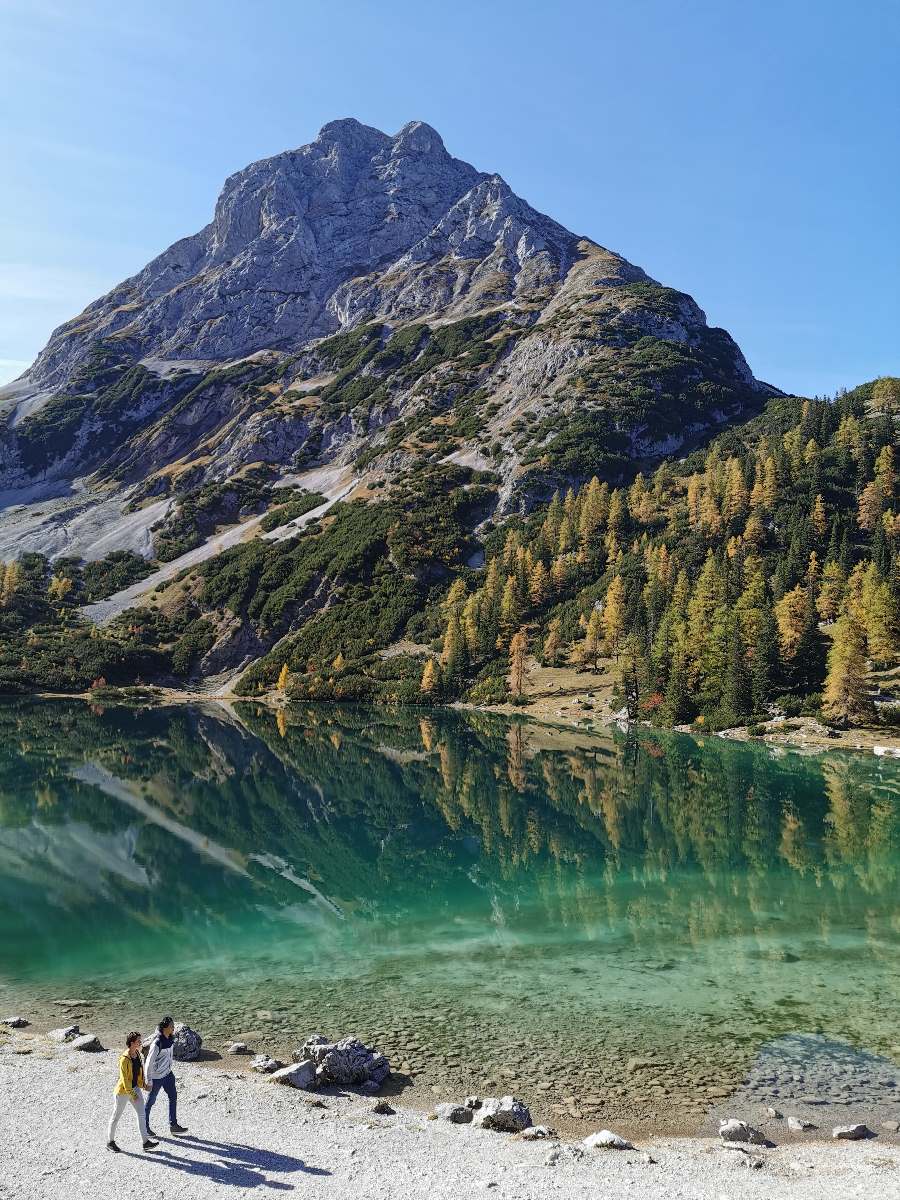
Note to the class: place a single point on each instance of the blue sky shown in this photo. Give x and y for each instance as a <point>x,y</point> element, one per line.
<point>745,153</point>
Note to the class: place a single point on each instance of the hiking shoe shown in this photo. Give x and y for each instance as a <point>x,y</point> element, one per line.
<point>150,1134</point>
<point>113,1146</point>
<point>150,1144</point>
<point>178,1129</point>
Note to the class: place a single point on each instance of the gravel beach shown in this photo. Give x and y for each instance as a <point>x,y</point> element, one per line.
<point>247,1133</point>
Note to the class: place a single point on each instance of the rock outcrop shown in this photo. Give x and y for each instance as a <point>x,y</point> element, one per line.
<point>346,1063</point>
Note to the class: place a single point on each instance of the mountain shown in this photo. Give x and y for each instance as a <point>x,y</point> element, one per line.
<point>381,431</point>
<point>362,302</point>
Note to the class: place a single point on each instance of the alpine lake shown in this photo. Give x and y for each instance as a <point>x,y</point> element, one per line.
<point>631,927</point>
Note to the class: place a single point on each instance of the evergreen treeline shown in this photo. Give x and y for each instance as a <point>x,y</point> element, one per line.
<point>763,567</point>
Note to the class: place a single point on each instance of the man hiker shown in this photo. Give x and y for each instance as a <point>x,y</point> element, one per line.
<point>158,1073</point>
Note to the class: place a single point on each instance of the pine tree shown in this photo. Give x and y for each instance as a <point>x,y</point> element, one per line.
<point>59,587</point>
<point>12,580</point>
<point>613,615</point>
<point>538,584</point>
<point>590,648</point>
<point>510,608</point>
<point>790,615</point>
<point>763,660</point>
<point>737,693</point>
<point>518,651</point>
<point>677,707</point>
<point>880,616</point>
<point>453,654</point>
<point>456,596</point>
<point>470,629</point>
<point>552,643</point>
<point>430,678</point>
<point>845,697</point>
<point>831,591</point>
<point>818,517</point>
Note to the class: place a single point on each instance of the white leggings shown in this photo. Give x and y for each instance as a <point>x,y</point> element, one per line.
<point>119,1107</point>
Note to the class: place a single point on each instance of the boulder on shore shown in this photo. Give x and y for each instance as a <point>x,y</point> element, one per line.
<point>15,1022</point>
<point>187,1043</point>
<point>346,1063</point>
<point>733,1130</point>
<point>86,1041</point>
<point>300,1075</point>
<point>65,1033</point>
<point>506,1115</point>
<point>456,1114</point>
<point>237,1048</point>
<point>851,1133</point>
<point>605,1139</point>
<point>265,1065</point>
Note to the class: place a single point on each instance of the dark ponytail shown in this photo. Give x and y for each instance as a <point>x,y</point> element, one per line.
<point>165,1022</point>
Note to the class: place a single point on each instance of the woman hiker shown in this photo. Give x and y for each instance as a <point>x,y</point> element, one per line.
<point>128,1091</point>
<point>158,1069</point>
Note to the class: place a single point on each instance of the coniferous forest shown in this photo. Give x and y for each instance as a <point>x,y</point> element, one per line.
<point>759,571</point>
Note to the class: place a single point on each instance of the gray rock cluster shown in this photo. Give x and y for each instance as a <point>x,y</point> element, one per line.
<point>346,1063</point>
<point>506,1115</point>
<point>187,1043</point>
<point>15,1022</point>
<point>265,1065</point>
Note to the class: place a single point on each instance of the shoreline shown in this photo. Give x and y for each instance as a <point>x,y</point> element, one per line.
<point>797,734</point>
<point>246,1132</point>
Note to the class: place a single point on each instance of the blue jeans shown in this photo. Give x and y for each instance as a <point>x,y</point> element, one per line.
<point>167,1083</point>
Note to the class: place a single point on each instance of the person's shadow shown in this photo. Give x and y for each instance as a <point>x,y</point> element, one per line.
<point>238,1165</point>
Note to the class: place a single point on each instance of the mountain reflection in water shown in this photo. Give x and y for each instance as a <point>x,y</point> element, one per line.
<point>649,888</point>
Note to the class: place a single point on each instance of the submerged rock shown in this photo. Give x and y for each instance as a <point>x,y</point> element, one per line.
<point>186,1043</point>
<point>506,1115</point>
<point>348,1062</point>
<point>851,1133</point>
<point>734,1130</point>
<point>605,1139</point>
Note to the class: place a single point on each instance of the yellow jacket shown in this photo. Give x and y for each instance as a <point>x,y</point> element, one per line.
<point>124,1087</point>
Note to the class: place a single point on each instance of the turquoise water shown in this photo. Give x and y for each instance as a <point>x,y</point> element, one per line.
<point>493,902</point>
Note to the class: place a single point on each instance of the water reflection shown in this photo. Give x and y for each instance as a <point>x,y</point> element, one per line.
<point>456,862</point>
